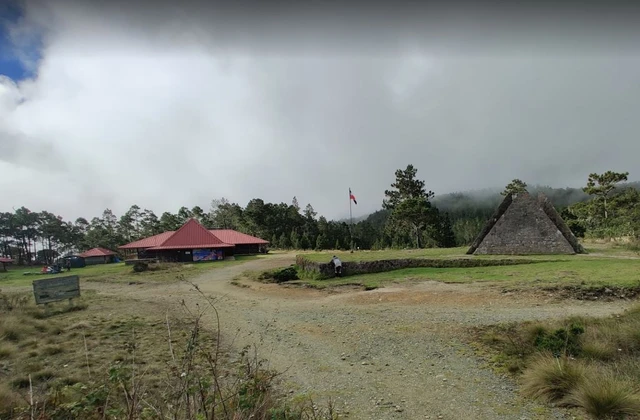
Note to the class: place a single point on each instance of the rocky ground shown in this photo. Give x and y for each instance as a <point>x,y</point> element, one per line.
<point>401,352</point>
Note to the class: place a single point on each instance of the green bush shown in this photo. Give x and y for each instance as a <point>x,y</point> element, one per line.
<point>279,276</point>
<point>139,267</point>
<point>562,342</point>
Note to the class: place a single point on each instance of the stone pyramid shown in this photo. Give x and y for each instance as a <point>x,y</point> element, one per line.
<point>523,225</point>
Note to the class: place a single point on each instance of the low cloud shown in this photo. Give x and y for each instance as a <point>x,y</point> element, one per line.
<point>164,110</point>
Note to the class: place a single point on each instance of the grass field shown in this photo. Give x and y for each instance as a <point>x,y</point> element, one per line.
<point>604,265</point>
<point>119,272</point>
<point>387,254</point>
<point>598,250</point>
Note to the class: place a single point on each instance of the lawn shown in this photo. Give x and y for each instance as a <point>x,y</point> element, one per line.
<point>444,253</point>
<point>599,250</point>
<point>386,254</point>
<point>119,272</point>
<point>572,270</point>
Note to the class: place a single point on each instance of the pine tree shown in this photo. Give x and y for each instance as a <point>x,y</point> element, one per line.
<point>284,242</point>
<point>304,242</point>
<point>322,242</point>
<point>445,237</point>
<point>337,246</point>
<point>274,241</point>
<point>514,187</point>
<point>295,240</point>
<point>408,201</point>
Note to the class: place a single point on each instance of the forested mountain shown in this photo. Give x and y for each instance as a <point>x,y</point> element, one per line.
<point>411,216</point>
<point>469,210</point>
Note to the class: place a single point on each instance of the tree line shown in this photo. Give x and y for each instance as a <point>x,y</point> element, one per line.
<point>411,216</point>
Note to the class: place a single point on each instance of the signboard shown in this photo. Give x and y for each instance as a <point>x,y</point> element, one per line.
<point>207,255</point>
<point>56,289</point>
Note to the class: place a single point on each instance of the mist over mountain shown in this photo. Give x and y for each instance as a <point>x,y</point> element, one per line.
<point>481,203</point>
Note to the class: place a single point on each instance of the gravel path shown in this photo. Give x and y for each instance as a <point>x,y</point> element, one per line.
<point>399,352</point>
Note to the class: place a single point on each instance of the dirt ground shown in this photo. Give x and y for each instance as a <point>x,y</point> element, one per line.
<point>400,352</point>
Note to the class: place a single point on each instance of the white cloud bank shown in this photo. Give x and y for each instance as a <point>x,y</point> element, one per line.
<point>161,115</point>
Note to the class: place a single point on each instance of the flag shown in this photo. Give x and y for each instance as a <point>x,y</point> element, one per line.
<point>352,197</point>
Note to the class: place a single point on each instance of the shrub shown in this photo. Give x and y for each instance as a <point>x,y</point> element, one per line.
<point>285,274</point>
<point>8,400</point>
<point>52,350</point>
<point>598,350</point>
<point>280,276</point>
<point>12,302</point>
<point>634,246</point>
<point>11,329</point>
<point>562,342</point>
<point>604,396</point>
<point>139,267</point>
<point>551,378</point>
<point>6,350</point>
<point>20,383</point>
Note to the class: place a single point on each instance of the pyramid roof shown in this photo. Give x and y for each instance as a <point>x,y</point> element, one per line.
<point>523,224</point>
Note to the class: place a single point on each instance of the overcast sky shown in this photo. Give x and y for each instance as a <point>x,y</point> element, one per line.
<point>164,107</point>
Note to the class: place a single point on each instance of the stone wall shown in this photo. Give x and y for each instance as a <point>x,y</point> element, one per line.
<point>318,270</point>
<point>524,228</point>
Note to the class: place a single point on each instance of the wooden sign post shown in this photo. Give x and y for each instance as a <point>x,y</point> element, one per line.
<point>56,289</point>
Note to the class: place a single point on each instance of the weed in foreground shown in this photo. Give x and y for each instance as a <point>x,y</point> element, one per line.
<point>552,378</point>
<point>196,380</point>
<point>606,396</point>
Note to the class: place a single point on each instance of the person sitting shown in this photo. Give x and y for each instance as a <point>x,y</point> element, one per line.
<point>337,264</point>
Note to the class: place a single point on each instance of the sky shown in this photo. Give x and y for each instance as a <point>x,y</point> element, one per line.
<point>109,105</point>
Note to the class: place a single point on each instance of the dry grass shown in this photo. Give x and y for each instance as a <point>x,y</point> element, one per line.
<point>606,396</point>
<point>6,350</point>
<point>9,397</point>
<point>551,378</point>
<point>596,369</point>
<point>114,359</point>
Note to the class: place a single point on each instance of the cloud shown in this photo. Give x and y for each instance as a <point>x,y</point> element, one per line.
<point>167,107</point>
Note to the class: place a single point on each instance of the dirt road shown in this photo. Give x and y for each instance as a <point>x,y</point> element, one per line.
<point>393,353</point>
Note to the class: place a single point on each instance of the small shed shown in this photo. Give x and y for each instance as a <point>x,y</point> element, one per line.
<point>98,256</point>
<point>4,261</point>
<point>76,261</point>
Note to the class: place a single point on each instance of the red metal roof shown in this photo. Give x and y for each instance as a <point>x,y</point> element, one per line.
<point>149,242</point>
<point>5,260</point>
<point>192,246</point>
<point>230,236</point>
<point>97,252</point>
<point>191,235</point>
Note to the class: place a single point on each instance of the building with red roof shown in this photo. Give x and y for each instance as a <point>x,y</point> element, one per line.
<point>194,242</point>
<point>98,256</point>
<point>4,261</point>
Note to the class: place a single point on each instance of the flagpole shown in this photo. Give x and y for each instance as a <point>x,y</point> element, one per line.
<point>351,223</point>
